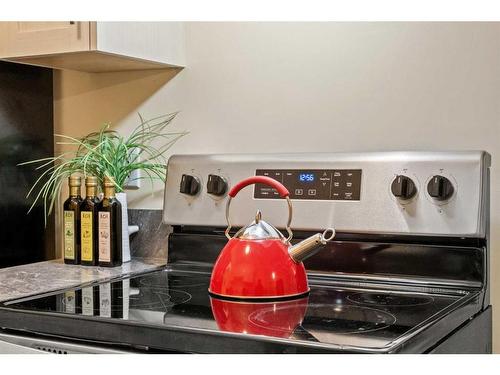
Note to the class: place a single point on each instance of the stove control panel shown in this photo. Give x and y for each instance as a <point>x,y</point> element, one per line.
<point>316,184</point>
<point>419,193</point>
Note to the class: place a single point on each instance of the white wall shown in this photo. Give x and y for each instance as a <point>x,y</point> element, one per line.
<point>266,87</point>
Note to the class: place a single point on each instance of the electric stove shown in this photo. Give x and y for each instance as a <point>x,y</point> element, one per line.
<point>406,273</point>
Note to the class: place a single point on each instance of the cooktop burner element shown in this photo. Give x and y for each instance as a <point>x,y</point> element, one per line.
<point>342,319</point>
<point>158,297</point>
<point>117,297</point>
<point>345,319</point>
<point>175,283</point>
<point>389,299</point>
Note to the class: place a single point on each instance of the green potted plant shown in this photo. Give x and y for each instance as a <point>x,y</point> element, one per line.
<point>106,153</point>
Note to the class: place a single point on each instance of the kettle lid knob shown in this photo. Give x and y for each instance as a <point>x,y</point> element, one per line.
<point>259,230</point>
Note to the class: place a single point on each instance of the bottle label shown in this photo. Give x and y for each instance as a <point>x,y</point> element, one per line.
<point>87,243</point>
<point>126,298</point>
<point>105,300</point>
<point>69,235</point>
<point>104,237</point>
<point>70,302</point>
<point>88,301</point>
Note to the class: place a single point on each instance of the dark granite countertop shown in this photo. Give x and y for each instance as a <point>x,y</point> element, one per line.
<point>36,278</point>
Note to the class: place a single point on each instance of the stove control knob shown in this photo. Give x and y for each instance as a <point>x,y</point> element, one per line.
<point>440,188</point>
<point>190,185</point>
<point>216,185</point>
<point>403,187</point>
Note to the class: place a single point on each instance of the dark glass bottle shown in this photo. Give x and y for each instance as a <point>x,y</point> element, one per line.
<point>71,219</point>
<point>110,227</point>
<point>88,224</point>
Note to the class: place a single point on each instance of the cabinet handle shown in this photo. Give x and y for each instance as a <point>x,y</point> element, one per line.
<point>71,22</point>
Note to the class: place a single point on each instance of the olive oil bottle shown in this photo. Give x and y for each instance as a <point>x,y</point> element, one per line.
<point>88,224</point>
<point>110,227</point>
<point>71,220</point>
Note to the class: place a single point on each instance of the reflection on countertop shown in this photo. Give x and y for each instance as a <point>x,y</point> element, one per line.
<point>42,277</point>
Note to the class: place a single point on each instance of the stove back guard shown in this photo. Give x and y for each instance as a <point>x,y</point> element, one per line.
<point>423,242</point>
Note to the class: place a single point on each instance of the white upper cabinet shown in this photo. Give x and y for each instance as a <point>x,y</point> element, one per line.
<point>94,46</point>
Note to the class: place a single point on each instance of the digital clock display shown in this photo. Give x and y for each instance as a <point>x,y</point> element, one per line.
<point>306,177</point>
<point>312,184</point>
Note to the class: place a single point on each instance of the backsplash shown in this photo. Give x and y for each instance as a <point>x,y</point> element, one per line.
<point>151,240</point>
<point>26,133</point>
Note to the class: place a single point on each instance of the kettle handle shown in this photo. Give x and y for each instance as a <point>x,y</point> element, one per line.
<point>282,191</point>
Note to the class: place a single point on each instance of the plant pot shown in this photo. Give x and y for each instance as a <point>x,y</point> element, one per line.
<point>126,231</point>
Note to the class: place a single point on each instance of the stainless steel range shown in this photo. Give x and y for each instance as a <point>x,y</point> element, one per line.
<point>406,273</point>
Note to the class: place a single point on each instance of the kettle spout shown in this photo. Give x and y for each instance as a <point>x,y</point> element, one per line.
<point>310,245</point>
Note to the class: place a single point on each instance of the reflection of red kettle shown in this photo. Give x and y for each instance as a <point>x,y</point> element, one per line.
<point>277,319</point>
<point>259,262</point>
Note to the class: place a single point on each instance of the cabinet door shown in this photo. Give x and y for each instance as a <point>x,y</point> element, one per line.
<point>43,38</point>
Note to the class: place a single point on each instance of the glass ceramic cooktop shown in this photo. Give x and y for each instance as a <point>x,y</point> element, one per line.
<point>330,314</point>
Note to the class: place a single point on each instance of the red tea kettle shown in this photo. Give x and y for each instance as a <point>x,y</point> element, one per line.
<point>259,262</point>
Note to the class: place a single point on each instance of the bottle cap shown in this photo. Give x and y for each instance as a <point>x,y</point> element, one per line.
<point>91,181</point>
<point>75,181</point>
<point>108,182</point>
